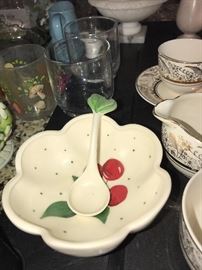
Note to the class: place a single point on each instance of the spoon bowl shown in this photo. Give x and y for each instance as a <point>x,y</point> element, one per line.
<point>89,194</point>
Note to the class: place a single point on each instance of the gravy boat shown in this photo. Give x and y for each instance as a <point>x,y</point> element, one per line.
<point>182,129</point>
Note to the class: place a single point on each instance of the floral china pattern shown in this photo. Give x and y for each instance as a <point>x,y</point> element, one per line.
<point>189,248</point>
<point>181,149</point>
<point>180,73</point>
<point>147,83</point>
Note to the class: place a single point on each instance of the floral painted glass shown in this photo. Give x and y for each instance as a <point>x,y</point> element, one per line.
<point>24,80</point>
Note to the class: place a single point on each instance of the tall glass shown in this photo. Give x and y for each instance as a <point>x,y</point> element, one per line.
<point>77,69</point>
<point>25,82</point>
<point>100,26</point>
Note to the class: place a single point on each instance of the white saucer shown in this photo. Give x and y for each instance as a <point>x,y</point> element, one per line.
<point>150,87</point>
<point>6,153</point>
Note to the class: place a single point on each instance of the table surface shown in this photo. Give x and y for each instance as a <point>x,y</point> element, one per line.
<point>155,248</point>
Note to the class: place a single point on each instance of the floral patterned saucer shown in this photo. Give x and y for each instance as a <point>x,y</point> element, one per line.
<point>150,87</point>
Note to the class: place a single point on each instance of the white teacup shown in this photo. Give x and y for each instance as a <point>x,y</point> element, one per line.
<point>180,64</point>
<point>182,88</point>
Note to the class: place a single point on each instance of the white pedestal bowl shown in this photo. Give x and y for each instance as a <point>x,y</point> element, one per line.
<point>130,13</point>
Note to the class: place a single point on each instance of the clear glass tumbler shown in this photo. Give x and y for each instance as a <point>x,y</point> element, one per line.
<point>77,70</point>
<point>24,80</point>
<point>99,26</point>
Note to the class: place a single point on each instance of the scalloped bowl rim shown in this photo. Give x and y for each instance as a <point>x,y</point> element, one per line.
<point>101,246</point>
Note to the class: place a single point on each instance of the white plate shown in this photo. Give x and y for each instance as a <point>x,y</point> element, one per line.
<point>150,87</point>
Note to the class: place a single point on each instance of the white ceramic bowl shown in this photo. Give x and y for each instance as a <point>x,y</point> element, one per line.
<point>49,162</point>
<point>130,13</point>
<point>191,222</point>
<point>180,61</point>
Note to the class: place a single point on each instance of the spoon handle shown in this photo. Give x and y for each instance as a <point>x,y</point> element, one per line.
<point>92,158</point>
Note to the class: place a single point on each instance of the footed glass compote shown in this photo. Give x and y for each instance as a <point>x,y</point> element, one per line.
<point>129,13</point>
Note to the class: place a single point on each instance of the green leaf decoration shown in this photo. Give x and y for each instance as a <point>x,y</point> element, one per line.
<point>74,177</point>
<point>103,215</point>
<point>58,209</point>
<point>100,104</point>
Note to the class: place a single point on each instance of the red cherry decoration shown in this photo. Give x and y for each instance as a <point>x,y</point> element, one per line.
<point>112,169</point>
<point>118,194</point>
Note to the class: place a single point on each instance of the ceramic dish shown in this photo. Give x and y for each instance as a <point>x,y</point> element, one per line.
<point>176,65</point>
<point>182,130</point>
<point>191,222</point>
<point>151,88</point>
<point>35,200</point>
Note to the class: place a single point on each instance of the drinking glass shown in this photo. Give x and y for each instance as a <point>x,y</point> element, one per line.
<point>100,26</point>
<point>25,83</point>
<point>77,69</point>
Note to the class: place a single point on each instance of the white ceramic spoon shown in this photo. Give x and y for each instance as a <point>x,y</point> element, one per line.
<point>89,194</point>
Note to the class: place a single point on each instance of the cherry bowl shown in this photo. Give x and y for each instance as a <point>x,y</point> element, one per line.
<point>129,159</point>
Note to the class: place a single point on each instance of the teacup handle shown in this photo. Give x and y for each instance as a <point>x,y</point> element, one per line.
<point>56,26</point>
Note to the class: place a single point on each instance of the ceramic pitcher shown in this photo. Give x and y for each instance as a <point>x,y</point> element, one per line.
<point>181,129</point>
